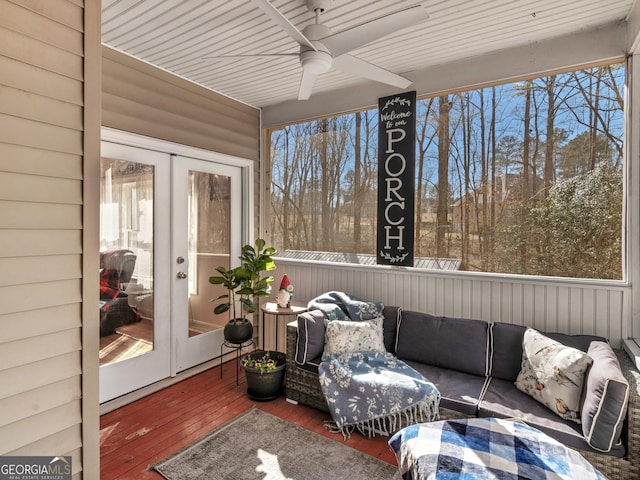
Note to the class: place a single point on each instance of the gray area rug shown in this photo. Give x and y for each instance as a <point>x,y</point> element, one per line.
<point>261,446</point>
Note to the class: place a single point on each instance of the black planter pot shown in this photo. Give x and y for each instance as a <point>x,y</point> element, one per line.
<point>238,330</point>
<point>263,386</point>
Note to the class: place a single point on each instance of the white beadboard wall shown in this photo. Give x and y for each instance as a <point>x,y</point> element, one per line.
<point>270,329</point>
<point>558,305</point>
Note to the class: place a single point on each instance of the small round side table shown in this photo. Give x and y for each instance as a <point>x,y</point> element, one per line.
<point>272,308</point>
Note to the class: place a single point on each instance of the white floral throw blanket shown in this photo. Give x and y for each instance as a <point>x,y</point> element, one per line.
<point>375,392</point>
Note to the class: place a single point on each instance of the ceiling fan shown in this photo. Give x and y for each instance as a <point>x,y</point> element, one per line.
<point>321,50</point>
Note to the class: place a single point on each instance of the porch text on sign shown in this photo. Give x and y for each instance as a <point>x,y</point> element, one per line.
<point>396,178</point>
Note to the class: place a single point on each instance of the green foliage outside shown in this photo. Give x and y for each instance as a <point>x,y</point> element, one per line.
<point>576,232</point>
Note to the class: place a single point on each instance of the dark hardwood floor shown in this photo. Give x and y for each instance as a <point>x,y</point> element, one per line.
<point>148,430</point>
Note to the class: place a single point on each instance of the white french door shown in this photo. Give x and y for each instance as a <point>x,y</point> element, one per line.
<point>206,233</point>
<point>135,346</point>
<point>166,222</point>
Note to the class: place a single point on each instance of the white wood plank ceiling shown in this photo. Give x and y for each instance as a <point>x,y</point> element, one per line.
<point>177,34</point>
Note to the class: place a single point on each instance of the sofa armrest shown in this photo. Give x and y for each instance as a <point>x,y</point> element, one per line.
<point>632,430</point>
<point>301,386</point>
<point>629,466</point>
<point>292,341</point>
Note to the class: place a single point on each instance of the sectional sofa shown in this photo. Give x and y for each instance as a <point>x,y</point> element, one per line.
<point>476,364</point>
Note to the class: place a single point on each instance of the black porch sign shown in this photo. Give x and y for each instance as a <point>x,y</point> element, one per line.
<point>396,178</point>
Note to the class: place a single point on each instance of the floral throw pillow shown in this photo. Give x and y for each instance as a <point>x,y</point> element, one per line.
<point>343,336</point>
<point>552,374</point>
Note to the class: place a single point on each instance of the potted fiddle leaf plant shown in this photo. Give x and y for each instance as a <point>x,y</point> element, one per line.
<point>244,285</point>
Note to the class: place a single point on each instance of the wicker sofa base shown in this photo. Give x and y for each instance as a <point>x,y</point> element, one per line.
<point>302,386</point>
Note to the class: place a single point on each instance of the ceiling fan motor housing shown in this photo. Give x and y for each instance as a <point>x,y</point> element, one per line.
<point>315,32</point>
<point>320,61</point>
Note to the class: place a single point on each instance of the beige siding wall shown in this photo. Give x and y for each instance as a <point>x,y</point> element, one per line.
<point>143,99</point>
<point>41,239</point>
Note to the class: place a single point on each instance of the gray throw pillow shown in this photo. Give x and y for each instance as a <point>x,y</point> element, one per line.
<point>311,328</point>
<point>506,353</point>
<point>606,394</point>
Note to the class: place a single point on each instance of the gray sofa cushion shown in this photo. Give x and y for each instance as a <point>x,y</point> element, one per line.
<point>310,336</point>
<point>606,394</point>
<point>454,343</point>
<point>581,342</point>
<point>506,346</point>
<point>458,391</point>
<point>503,400</point>
<point>312,365</point>
<point>390,327</point>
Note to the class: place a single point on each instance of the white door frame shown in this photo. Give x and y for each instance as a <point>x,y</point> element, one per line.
<point>163,146</point>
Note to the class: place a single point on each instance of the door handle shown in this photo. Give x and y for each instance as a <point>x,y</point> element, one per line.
<point>181,275</point>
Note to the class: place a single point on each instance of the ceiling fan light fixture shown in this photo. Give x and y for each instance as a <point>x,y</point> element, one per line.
<point>315,62</point>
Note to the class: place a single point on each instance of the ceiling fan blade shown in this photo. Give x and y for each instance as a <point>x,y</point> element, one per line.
<point>306,85</point>
<point>284,22</point>
<point>356,66</point>
<point>342,42</point>
<point>257,55</point>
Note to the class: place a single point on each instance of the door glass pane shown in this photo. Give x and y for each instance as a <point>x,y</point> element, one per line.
<point>126,259</point>
<point>209,247</point>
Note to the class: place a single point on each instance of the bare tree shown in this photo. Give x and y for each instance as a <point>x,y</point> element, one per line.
<point>424,139</point>
<point>591,93</point>
<point>325,204</point>
<point>442,217</point>
<point>492,187</point>
<point>465,196</point>
<point>549,167</point>
<point>357,184</point>
<point>484,182</point>
<point>524,184</point>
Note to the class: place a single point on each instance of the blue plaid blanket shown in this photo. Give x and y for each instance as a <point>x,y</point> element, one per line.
<point>483,449</point>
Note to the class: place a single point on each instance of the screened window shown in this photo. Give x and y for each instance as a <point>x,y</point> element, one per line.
<point>522,178</point>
